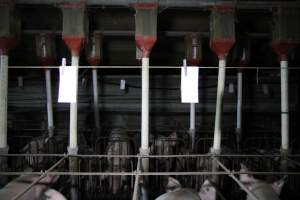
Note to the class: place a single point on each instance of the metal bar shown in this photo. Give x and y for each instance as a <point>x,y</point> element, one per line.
<point>219,106</point>
<point>68,173</point>
<point>236,180</point>
<point>39,179</point>
<point>118,33</point>
<point>3,100</point>
<point>176,3</point>
<point>154,156</point>
<point>49,103</point>
<point>136,182</point>
<point>96,102</point>
<point>192,130</point>
<point>284,105</point>
<point>73,110</point>
<point>152,67</point>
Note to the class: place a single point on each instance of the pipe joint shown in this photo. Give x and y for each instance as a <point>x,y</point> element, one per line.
<point>4,150</point>
<point>73,150</point>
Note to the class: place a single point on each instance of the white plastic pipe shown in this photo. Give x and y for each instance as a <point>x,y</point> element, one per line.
<point>145,105</point>
<point>219,105</point>
<point>49,102</point>
<point>192,123</point>
<point>96,100</point>
<point>284,105</point>
<point>239,101</point>
<point>73,110</point>
<point>3,100</point>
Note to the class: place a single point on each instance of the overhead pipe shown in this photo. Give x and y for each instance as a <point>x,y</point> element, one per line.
<point>9,33</point>
<point>74,36</point>
<point>286,35</point>
<point>175,3</point>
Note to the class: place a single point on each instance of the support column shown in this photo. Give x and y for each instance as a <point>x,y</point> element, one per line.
<point>145,113</point>
<point>3,115</point>
<point>3,100</point>
<point>219,106</point>
<point>216,150</point>
<point>284,112</point>
<point>96,102</point>
<point>73,146</point>
<point>49,103</point>
<point>238,130</point>
<point>192,130</point>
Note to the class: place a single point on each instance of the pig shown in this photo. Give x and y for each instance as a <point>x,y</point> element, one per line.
<point>165,145</point>
<point>174,191</point>
<point>261,189</point>
<point>41,190</point>
<point>118,144</point>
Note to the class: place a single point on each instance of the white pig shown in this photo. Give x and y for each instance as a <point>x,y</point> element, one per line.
<point>176,192</point>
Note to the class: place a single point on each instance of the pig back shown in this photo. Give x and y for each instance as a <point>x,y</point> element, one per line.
<point>263,191</point>
<point>180,194</point>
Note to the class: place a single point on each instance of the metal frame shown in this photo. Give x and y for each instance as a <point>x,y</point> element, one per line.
<point>175,3</point>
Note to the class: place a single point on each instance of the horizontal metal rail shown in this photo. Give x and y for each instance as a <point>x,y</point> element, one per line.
<point>175,3</point>
<point>156,156</point>
<point>192,173</point>
<point>153,67</point>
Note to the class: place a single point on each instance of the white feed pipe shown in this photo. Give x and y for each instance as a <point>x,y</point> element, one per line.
<point>73,110</point>
<point>49,102</point>
<point>3,100</point>
<point>284,105</point>
<point>96,100</point>
<point>239,111</point>
<point>145,104</point>
<point>192,124</point>
<point>219,106</point>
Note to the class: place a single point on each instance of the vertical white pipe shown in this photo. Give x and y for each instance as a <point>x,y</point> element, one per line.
<point>49,102</point>
<point>239,101</point>
<point>96,100</point>
<point>145,105</point>
<point>284,105</point>
<point>192,123</point>
<point>3,100</point>
<point>219,105</point>
<point>73,110</point>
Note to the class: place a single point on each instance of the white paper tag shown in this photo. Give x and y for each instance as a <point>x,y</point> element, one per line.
<point>122,84</point>
<point>189,84</point>
<point>67,84</point>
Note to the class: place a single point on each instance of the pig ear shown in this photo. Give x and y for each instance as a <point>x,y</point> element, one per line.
<point>243,167</point>
<point>173,184</point>
<point>277,186</point>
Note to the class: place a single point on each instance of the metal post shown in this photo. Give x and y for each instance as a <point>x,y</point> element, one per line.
<point>192,124</point>
<point>216,150</point>
<point>3,100</point>
<point>219,106</point>
<point>96,102</point>
<point>145,113</point>
<point>49,102</point>
<point>73,146</point>
<point>239,108</point>
<point>73,109</point>
<point>3,115</point>
<point>284,112</point>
